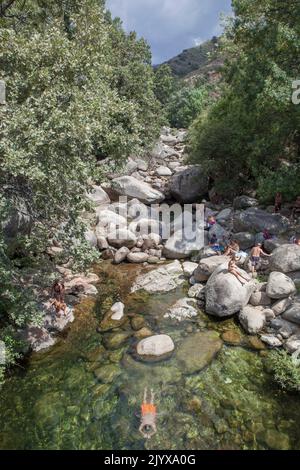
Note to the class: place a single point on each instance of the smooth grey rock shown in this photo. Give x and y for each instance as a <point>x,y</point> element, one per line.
<point>155,346</point>
<point>37,337</point>
<point>244,202</point>
<point>107,218</point>
<point>121,255</point>
<point>286,259</point>
<point>281,306</point>
<point>189,268</point>
<point>293,313</point>
<point>189,185</point>
<point>292,344</point>
<point>122,237</point>
<point>225,295</point>
<point>280,286</point>
<point>137,257</point>
<point>98,196</point>
<point>117,311</point>
<point>256,220</point>
<point>179,247</point>
<point>246,240</point>
<point>131,187</point>
<point>260,298</point>
<point>271,341</point>
<point>163,171</point>
<point>224,215</point>
<point>252,319</point>
<point>207,266</point>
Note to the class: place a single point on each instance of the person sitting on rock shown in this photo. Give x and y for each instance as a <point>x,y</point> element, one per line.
<point>60,307</point>
<point>256,254</point>
<point>233,269</point>
<point>211,221</point>
<point>215,245</point>
<point>148,416</point>
<point>58,290</point>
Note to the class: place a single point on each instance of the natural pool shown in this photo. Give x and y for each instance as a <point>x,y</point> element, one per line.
<point>79,395</point>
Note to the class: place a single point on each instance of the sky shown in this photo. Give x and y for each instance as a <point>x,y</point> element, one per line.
<point>170,26</point>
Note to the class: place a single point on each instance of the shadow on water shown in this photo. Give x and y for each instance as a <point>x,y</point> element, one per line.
<point>82,395</point>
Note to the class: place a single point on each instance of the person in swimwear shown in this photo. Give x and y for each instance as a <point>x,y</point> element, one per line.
<point>233,269</point>
<point>58,291</point>
<point>60,307</point>
<point>256,254</point>
<point>149,415</point>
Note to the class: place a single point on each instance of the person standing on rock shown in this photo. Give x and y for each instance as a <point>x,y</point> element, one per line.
<point>256,253</point>
<point>58,291</point>
<point>148,416</point>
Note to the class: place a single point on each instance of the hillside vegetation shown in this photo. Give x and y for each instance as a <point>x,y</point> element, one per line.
<point>192,59</point>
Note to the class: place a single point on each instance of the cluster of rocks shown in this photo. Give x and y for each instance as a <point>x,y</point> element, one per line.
<point>77,287</point>
<point>270,309</point>
<point>129,229</point>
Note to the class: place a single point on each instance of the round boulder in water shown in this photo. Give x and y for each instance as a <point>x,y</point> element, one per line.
<point>155,348</point>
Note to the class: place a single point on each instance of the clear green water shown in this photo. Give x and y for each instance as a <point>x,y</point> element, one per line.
<point>56,402</point>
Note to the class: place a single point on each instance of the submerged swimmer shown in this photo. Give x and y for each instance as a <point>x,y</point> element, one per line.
<point>148,416</point>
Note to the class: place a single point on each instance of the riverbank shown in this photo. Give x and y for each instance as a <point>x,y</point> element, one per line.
<point>233,403</point>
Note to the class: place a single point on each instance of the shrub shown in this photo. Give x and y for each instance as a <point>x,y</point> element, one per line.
<point>285,369</point>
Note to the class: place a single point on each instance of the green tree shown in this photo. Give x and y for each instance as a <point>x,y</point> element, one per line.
<point>254,129</point>
<point>164,83</point>
<point>186,104</point>
<point>78,89</point>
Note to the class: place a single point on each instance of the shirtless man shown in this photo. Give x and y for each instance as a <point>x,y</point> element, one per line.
<point>148,418</point>
<point>233,269</point>
<point>256,254</point>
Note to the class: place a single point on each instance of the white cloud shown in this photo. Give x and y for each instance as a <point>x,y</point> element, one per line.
<point>170,25</point>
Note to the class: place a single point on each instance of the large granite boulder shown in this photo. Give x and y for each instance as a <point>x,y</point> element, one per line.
<point>189,185</point>
<point>293,313</point>
<point>98,196</point>
<point>286,259</point>
<point>133,188</point>
<point>153,348</point>
<point>252,319</point>
<point>207,266</point>
<point>246,240</point>
<point>122,237</point>
<point>225,295</point>
<point>280,286</point>
<point>256,220</point>
<point>178,246</point>
<point>244,202</point>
